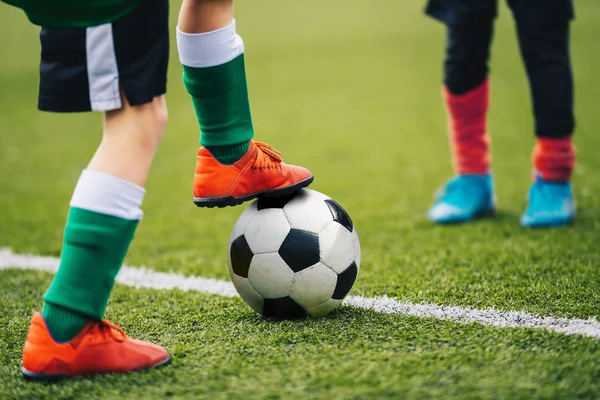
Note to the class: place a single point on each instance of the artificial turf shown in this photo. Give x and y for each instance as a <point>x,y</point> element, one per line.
<point>221,349</point>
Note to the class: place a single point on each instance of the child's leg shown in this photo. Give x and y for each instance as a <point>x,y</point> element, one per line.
<point>543,31</point>
<point>545,50</point>
<point>230,167</point>
<point>466,96</point>
<point>96,69</point>
<point>105,211</point>
<point>118,68</point>
<point>212,54</point>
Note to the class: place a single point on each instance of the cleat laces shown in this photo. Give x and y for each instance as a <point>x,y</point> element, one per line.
<point>112,330</point>
<point>267,157</point>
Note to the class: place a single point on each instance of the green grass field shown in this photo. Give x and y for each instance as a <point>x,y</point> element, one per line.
<point>350,90</point>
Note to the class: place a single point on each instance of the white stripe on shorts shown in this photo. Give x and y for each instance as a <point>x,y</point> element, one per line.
<point>103,74</point>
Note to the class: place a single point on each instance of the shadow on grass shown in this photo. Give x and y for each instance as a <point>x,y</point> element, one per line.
<point>344,315</point>
<point>587,218</point>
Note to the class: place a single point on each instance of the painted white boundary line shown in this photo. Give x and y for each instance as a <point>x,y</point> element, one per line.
<point>145,278</point>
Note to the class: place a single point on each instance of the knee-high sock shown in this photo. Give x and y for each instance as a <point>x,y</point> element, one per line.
<point>105,211</point>
<point>469,140</point>
<point>554,159</point>
<point>215,77</point>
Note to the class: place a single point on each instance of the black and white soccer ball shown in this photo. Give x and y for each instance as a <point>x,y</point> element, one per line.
<point>294,255</point>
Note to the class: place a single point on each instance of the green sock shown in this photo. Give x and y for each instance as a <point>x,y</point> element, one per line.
<point>220,98</point>
<point>102,220</point>
<point>64,324</point>
<point>214,75</point>
<point>229,154</point>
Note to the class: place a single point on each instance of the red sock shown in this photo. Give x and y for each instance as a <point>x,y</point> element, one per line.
<point>469,140</point>
<point>554,159</point>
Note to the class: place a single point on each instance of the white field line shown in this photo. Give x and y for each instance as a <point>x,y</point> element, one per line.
<point>146,278</point>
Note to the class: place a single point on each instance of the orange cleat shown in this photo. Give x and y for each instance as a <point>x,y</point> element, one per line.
<point>100,348</point>
<point>260,172</point>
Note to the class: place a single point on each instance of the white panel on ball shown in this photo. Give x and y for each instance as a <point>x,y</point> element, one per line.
<point>263,240</point>
<point>337,247</point>
<point>313,285</point>
<point>242,222</point>
<point>324,308</point>
<point>270,276</point>
<point>248,293</point>
<point>308,211</point>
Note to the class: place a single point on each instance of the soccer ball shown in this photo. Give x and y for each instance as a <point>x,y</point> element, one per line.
<point>294,255</point>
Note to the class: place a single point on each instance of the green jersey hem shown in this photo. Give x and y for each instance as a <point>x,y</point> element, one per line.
<point>73,14</point>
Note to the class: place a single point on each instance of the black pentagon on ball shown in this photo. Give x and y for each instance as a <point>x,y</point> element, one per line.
<point>300,249</point>
<point>274,201</point>
<point>345,281</point>
<point>283,308</point>
<point>339,214</point>
<point>241,255</point>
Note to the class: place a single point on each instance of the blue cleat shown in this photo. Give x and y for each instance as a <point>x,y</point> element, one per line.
<point>462,199</point>
<point>551,204</point>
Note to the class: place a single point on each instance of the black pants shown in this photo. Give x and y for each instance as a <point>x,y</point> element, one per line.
<point>543,32</point>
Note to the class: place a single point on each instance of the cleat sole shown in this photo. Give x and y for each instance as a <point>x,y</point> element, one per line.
<point>556,223</point>
<point>230,201</point>
<point>488,213</point>
<point>36,377</point>
<point>50,378</point>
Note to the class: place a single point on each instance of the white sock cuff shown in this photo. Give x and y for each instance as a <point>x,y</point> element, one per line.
<point>107,194</point>
<point>203,50</point>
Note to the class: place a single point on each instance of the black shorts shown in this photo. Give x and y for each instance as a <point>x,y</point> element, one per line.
<point>82,69</point>
<point>454,12</point>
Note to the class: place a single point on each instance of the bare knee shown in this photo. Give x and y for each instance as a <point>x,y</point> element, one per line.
<point>141,126</point>
<point>158,115</point>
